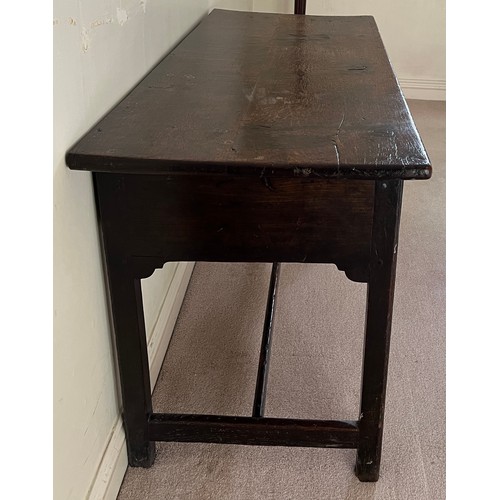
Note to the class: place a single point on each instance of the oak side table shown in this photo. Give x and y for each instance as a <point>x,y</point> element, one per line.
<point>259,138</point>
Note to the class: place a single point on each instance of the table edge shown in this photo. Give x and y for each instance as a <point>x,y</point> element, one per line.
<point>122,165</point>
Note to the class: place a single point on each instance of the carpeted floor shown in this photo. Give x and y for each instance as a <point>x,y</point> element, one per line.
<point>315,371</point>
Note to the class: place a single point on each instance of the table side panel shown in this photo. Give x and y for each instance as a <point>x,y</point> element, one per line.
<point>235,219</point>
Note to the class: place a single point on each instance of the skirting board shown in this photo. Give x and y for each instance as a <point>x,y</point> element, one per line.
<point>431,90</point>
<point>114,463</point>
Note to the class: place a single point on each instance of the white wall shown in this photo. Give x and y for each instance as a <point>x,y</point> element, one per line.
<point>101,50</point>
<point>413,32</point>
<point>231,4</point>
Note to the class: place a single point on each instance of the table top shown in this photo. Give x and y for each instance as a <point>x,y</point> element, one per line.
<point>247,93</point>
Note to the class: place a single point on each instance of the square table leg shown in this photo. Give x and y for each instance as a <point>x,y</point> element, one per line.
<point>383,253</point>
<point>131,347</point>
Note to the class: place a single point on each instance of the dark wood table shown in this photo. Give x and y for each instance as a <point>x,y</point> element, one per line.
<point>260,138</point>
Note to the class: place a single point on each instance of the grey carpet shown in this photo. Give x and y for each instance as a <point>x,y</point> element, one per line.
<point>315,372</point>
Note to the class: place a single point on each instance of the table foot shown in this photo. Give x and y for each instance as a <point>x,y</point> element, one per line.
<point>367,471</point>
<point>141,455</point>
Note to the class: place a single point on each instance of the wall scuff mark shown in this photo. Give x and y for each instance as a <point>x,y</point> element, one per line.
<point>121,16</point>
<point>85,39</point>
<point>101,22</point>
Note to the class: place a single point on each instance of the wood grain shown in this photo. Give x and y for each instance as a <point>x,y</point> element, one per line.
<point>296,95</point>
<point>253,431</point>
<point>237,219</point>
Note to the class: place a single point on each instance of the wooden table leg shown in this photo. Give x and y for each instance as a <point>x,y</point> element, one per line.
<point>388,196</point>
<point>128,318</point>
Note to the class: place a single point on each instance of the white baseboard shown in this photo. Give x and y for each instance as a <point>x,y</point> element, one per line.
<point>432,90</point>
<point>114,462</point>
<point>112,468</point>
<point>164,326</point>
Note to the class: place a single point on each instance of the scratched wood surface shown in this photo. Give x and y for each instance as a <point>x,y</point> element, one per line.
<point>243,92</point>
